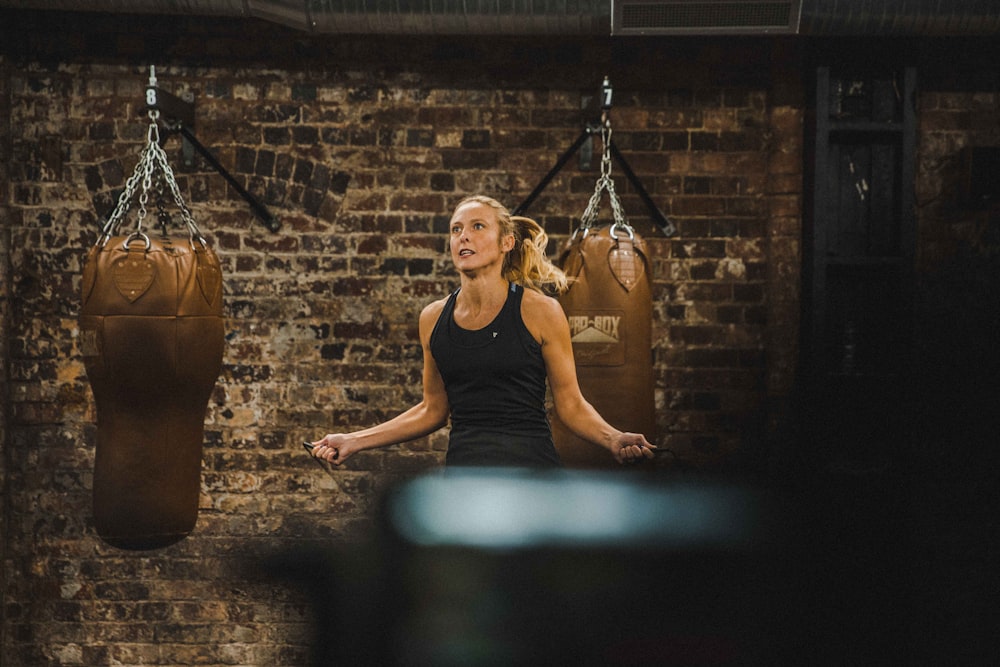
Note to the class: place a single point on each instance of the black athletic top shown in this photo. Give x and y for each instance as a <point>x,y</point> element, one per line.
<point>495,381</point>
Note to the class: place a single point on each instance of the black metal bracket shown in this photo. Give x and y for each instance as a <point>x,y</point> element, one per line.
<point>659,218</point>
<point>178,116</point>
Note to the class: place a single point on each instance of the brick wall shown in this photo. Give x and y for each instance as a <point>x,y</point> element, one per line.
<point>360,147</point>
<point>5,278</point>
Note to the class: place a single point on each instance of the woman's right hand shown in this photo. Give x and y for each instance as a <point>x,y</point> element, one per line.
<point>333,447</point>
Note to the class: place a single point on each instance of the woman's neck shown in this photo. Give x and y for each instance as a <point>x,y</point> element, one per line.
<point>481,298</point>
<point>484,289</point>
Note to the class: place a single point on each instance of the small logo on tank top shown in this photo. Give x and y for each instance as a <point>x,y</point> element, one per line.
<point>495,334</point>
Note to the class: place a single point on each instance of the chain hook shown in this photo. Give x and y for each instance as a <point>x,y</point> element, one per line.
<point>152,158</point>
<point>605,183</point>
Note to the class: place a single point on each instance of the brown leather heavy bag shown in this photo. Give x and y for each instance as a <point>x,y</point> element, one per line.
<point>609,306</point>
<point>151,331</point>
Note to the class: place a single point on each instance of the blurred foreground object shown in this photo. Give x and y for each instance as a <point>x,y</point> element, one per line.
<point>486,567</point>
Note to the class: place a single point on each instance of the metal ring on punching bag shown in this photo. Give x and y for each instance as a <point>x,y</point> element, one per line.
<point>135,236</point>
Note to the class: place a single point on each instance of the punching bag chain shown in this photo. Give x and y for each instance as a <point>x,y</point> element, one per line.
<point>605,183</point>
<point>152,158</point>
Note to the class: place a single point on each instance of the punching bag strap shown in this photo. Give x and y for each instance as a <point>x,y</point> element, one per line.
<point>624,261</point>
<point>152,158</point>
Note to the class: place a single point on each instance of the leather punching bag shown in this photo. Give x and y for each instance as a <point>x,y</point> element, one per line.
<point>609,306</point>
<point>151,335</point>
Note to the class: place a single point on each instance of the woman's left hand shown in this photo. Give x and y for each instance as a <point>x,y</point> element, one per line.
<point>632,448</point>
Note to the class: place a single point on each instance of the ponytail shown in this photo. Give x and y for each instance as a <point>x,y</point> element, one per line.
<point>526,264</point>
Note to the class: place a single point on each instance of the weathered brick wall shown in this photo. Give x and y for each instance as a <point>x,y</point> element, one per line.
<point>4,310</point>
<point>360,147</point>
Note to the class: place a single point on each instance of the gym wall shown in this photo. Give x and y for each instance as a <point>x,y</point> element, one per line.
<point>360,147</point>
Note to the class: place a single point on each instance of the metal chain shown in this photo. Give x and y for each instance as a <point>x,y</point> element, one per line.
<point>186,216</point>
<point>605,183</point>
<point>152,140</point>
<point>152,157</point>
<point>162,215</point>
<point>115,219</point>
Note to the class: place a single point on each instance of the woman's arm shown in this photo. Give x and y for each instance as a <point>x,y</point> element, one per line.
<point>547,322</point>
<point>423,418</point>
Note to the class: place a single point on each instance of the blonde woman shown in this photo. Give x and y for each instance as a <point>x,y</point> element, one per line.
<point>489,349</point>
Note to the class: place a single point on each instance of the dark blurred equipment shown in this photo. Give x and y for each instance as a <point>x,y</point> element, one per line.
<point>488,567</point>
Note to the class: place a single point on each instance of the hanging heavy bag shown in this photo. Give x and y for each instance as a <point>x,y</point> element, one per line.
<point>609,308</point>
<point>151,333</point>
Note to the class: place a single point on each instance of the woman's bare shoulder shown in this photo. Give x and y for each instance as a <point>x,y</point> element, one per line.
<point>541,303</point>
<point>541,313</point>
<point>432,311</point>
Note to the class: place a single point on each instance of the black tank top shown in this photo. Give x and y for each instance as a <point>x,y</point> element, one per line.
<point>495,381</point>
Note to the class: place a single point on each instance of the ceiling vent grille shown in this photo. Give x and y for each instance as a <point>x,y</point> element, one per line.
<point>700,17</point>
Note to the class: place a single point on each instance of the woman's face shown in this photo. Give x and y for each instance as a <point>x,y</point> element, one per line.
<point>475,239</point>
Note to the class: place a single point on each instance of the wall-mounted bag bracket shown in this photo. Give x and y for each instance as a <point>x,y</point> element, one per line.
<point>177,115</point>
<point>659,218</point>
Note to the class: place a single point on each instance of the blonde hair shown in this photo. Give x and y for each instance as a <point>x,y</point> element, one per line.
<point>526,264</point>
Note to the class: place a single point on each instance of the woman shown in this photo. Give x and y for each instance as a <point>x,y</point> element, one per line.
<point>488,349</point>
